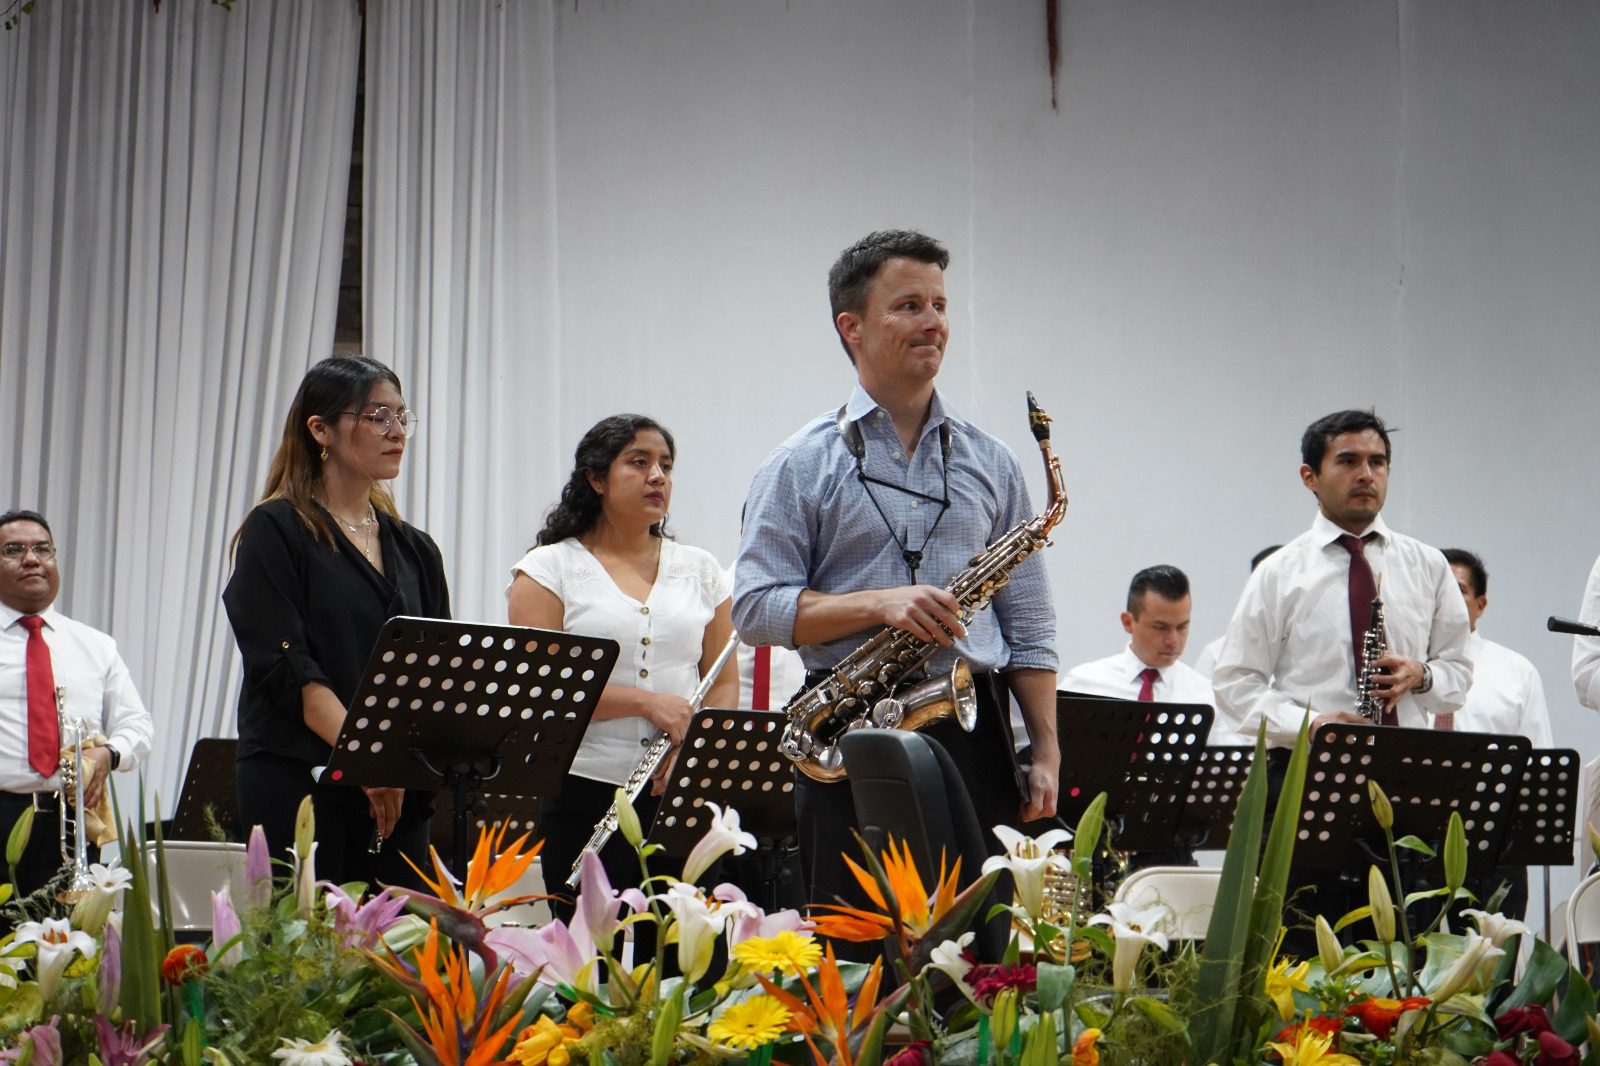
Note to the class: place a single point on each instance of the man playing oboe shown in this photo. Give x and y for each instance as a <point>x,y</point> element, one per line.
<point>1297,633</point>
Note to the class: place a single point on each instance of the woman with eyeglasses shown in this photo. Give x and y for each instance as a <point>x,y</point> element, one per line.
<point>321,562</point>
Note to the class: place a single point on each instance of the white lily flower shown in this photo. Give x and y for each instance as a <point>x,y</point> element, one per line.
<point>57,942</point>
<point>1028,859</point>
<point>1132,928</point>
<point>950,959</point>
<point>329,1051</point>
<point>722,836</point>
<point>697,921</point>
<point>1463,974</point>
<point>1497,927</point>
<point>94,908</point>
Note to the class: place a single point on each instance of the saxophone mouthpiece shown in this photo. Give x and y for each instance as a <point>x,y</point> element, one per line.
<point>1038,421</point>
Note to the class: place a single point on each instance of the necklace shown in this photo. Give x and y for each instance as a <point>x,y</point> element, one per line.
<point>364,527</point>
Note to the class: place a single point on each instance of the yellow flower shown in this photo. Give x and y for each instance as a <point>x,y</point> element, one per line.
<point>1084,1052</point>
<point>545,1043</point>
<point>786,952</point>
<point>1283,981</point>
<point>751,1023</point>
<point>1311,1049</point>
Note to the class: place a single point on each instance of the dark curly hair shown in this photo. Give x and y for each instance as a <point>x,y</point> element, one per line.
<point>579,507</point>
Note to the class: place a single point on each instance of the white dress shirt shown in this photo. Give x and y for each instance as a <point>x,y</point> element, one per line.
<point>98,689</point>
<point>1506,697</point>
<point>1118,676</point>
<point>1288,645</point>
<point>1586,650</point>
<point>661,637</point>
<point>1206,662</point>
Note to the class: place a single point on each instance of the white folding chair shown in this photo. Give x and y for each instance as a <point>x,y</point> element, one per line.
<point>1189,891</point>
<point>195,869</point>
<point>1583,916</point>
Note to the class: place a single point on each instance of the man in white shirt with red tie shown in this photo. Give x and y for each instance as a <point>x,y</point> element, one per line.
<point>43,652</point>
<point>1296,637</point>
<point>1151,666</point>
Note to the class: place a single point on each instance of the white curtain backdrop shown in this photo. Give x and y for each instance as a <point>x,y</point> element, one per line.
<point>460,272</point>
<point>172,197</point>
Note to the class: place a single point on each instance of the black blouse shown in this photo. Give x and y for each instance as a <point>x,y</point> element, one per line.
<point>304,610</point>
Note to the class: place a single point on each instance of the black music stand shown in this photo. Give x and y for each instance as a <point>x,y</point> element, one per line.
<point>1219,776</point>
<point>454,705</point>
<point>1545,817</point>
<point>1426,774</point>
<point>208,783</point>
<point>731,758</point>
<point>1142,755</point>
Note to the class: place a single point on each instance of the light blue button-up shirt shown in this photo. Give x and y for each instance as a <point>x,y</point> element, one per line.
<point>809,523</point>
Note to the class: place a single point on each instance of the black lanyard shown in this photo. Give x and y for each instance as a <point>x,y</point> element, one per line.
<point>851,432</point>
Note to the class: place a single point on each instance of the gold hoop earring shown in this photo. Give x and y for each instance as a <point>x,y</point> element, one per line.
<point>324,453</point>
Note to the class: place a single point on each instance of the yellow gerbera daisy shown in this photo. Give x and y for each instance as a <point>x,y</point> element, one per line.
<point>784,952</point>
<point>750,1023</point>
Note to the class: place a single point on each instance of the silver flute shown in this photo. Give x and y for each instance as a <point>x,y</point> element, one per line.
<point>647,766</point>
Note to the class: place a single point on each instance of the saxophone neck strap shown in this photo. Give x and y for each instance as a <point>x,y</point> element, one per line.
<point>857,445</point>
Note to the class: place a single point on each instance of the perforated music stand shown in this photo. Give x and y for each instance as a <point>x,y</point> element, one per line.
<point>1426,774</point>
<point>1142,755</point>
<point>453,705</point>
<point>1219,776</point>
<point>731,758</point>
<point>1544,822</point>
<point>208,783</point>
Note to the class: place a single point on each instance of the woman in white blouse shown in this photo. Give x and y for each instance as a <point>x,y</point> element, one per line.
<point>605,566</point>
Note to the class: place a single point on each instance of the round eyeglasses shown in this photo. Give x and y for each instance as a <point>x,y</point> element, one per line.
<point>16,551</point>
<point>382,421</point>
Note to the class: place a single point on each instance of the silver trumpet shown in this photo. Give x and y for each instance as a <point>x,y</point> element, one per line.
<point>647,766</point>
<point>70,823</point>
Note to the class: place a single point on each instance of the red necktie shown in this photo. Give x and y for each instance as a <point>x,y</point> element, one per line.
<point>1444,722</point>
<point>44,728</point>
<point>1147,688</point>
<point>761,680</point>
<point>1363,590</point>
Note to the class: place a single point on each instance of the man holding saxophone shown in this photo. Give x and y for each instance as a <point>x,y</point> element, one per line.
<point>53,672</point>
<point>859,521</point>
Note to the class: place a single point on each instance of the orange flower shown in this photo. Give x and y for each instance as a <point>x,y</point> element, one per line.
<point>1084,1052</point>
<point>1321,1023</point>
<point>1380,1015</point>
<point>907,906</point>
<point>453,1019</point>
<point>492,870</point>
<point>186,962</point>
<point>827,1010</point>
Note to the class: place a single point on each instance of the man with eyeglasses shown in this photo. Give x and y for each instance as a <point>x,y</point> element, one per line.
<point>44,654</point>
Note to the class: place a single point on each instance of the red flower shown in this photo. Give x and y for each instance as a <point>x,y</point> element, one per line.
<point>1501,1058</point>
<point>989,980</point>
<point>913,1054</point>
<point>1379,1015</point>
<point>184,963</point>
<point>1554,1051</point>
<point>1530,1019</point>
<point>1325,1024</point>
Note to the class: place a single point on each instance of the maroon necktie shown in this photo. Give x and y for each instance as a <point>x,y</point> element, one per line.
<point>761,680</point>
<point>44,728</point>
<point>1147,684</point>
<point>1363,590</point>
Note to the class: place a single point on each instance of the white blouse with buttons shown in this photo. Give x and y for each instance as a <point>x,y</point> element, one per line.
<point>661,638</point>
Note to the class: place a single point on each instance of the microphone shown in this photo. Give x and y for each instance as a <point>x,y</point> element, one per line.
<point>1568,625</point>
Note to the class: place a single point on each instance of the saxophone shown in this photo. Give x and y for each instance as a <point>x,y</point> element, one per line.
<point>1374,645</point>
<point>864,689</point>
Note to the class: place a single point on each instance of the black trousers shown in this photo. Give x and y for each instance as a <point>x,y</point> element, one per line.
<point>42,858</point>
<point>826,813</point>
<point>270,788</point>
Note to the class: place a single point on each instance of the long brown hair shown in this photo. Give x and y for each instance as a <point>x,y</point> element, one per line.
<point>330,388</point>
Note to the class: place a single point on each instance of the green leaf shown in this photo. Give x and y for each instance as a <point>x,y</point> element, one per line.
<point>1545,971</point>
<point>1054,984</point>
<point>1159,1013</point>
<point>871,1051</point>
<point>1214,999</point>
<point>1417,844</point>
<point>23,1008</point>
<point>666,1030</point>
<point>1087,837</point>
<point>1353,917</point>
<point>1577,1006</point>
